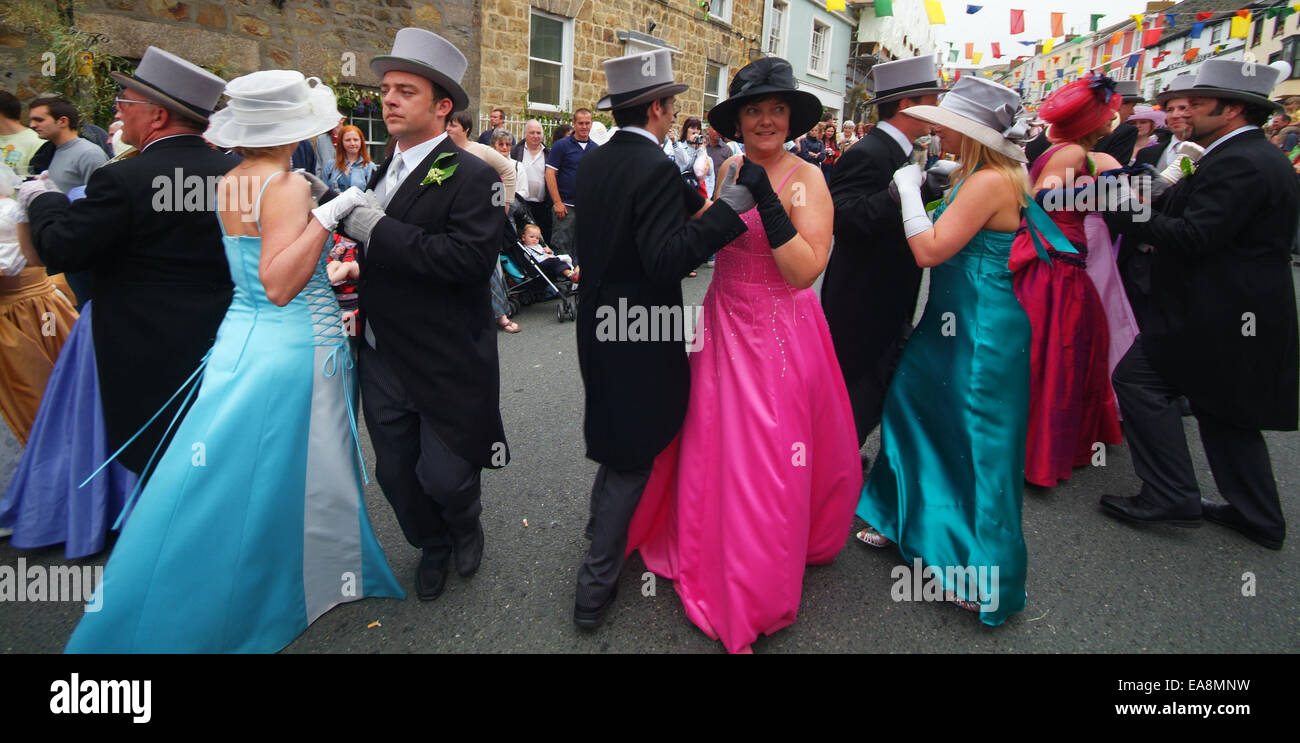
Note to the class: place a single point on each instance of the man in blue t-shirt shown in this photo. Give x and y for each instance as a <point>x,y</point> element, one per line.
<point>561,175</point>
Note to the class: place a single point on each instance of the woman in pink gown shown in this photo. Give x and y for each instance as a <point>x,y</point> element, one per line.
<point>765,474</point>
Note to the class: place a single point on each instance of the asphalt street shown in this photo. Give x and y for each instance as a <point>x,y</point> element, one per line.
<point>1095,585</point>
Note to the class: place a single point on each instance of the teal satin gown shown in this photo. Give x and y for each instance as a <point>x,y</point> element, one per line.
<point>949,479</point>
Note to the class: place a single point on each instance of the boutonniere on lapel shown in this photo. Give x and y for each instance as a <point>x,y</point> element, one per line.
<point>437,175</point>
<point>1187,166</point>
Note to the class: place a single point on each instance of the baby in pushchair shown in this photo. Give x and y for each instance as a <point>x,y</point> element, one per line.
<point>554,266</point>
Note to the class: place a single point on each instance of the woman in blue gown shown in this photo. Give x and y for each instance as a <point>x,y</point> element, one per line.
<point>253,523</point>
<point>948,482</point>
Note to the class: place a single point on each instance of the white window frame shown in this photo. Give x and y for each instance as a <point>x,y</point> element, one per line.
<point>778,29</point>
<point>1216,33</point>
<point>723,12</point>
<point>824,71</point>
<point>722,82</point>
<point>566,61</point>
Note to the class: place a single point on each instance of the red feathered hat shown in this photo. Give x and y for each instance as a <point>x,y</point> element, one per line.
<point>1080,108</point>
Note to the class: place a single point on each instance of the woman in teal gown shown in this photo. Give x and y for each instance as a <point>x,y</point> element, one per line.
<point>948,481</point>
<point>253,523</point>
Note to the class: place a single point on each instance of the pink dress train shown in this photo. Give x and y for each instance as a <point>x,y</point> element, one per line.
<point>765,473</point>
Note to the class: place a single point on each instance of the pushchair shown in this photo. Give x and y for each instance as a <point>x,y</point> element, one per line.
<point>526,283</point>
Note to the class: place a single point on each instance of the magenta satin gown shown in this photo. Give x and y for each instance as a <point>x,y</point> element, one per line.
<point>765,474</point>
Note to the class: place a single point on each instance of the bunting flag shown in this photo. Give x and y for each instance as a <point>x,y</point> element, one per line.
<point>1272,12</point>
<point>1218,48</point>
<point>970,49</point>
<point>1017,21</point>
<point>952,55</point>
<point>884,8</point>
<point>997,50</point>
<point>1056,60</point>
<point>1047,45</point>
<point>1133,60</point>
<point>1171,19</point>
<point>1028,43</point>
<point>934,10</point>
<point>1078,39</point>
<point>978,56</point>
<point>1058,24</point>
<point>1244,15</point>
<point>1191,53</point>
<point>1116,39</point>
<point>1197,28</point>
<point>1092,24</point>
<point>1042,74</point>
<point>1081,70</point>
<point>1204,16</point>
<point>1151,36</point>
<point>1137,19</point>
<point>973,9</point>
<point>1105,57</point>
<point>835,4</point>
<point>1239,27</point>
<point>1060,72</point>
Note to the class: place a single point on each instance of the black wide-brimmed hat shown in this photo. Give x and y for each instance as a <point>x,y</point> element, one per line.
<point>760,79</point>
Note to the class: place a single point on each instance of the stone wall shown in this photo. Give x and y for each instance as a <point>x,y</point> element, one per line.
<point>679,23</point>
<point>240,36</point>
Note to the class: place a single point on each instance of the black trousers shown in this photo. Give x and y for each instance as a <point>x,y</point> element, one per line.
<point>434,493</point>
<point>1153,426</point>
<point>1135,272</point>
<point>614,498</point>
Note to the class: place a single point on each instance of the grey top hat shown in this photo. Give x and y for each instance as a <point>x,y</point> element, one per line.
<point>905,78</point>
<point>430,56</point>
<point>1246,82</point>
<point>1128,91</point>
<point>1176,89</point>
<point>983,110</point>
<point>174,83</point>
<point>638,79</point>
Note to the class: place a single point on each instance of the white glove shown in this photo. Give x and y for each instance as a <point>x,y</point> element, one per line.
<point>318,187</point>
<point>1173,172</point>
<point>330,213</point>
<point>31,189</point>
<point>1113,192</point>
<point>908,179</point>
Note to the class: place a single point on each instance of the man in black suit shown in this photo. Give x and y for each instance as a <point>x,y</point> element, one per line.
<point>148,233</point>
<point>871,284</point>
<point>641,232</point>
<point>1221,326</point>
<point>428,362</point>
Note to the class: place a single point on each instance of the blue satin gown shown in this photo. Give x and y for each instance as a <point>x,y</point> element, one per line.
<point>253,524</point>
<point>949,479</point>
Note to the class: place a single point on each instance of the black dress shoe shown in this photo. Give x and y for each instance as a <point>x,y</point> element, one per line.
<point>431,576</point>
<point>469,551</point>
<point>1134,509</point>
<point>1225,514</point>
<point>590,619</point>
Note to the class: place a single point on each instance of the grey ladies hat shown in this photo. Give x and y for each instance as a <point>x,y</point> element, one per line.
<point>174,83</point>
<point>430,56</point>
<point>637,79</point>
<point>983,110</point>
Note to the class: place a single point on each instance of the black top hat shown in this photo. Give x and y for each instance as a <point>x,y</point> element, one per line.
<point>760,79</point>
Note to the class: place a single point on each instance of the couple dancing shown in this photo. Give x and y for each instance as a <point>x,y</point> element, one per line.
<point>735,470</point>
<point>240,547</point>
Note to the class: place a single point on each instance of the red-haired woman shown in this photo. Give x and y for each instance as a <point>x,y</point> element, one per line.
<point>1072,407</point>
<point>352,165</point>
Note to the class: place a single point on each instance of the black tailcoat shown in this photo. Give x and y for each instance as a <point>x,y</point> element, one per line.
<point>161,281</point>
<point>424,290</point>
<point>1221,325</point>
<point>871,284</point>
<point>637,242</point>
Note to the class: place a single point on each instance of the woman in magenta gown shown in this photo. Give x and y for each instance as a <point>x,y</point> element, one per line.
<point>1071,404</point>
<point>764,476</point>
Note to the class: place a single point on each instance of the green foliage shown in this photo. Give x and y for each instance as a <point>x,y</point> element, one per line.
<point>55,51</point>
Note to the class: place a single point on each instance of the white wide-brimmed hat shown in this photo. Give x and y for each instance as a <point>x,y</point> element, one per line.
<point>430,56</point>
<point>272,108</point>
<point>983,110</point>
